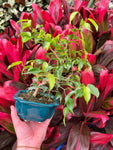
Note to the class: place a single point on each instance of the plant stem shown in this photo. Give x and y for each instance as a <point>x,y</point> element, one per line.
<point>36,90</point>
<point>55,54</point>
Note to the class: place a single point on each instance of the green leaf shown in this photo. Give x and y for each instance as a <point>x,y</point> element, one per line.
<point>58,96</point>
<point>65,112</point>
<point>59,71</point>
<point>51,79</point>
<point>14,64</point>
<point>87,26</point>
<point>38,26</point>
<point>80,65</point>
<point>26,24</point>
<point>46,45</point>
<point>33,71</point>
<point>79,92</point>
<point>25,36</point>
<point>22,20</point>
<point>72,16</point>
<point>87,94</point>
<point>70,104</point>
<point>48,68</point>
<point>69,95</point>
<point>94,23</point>
<point>44,66</point>
<point>93,90</point>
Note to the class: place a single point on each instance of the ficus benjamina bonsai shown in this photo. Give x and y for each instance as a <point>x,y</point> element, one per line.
<point>59,74</point>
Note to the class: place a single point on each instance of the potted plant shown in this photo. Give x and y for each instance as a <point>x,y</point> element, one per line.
<point>57,75</point>
<point>36,103</point>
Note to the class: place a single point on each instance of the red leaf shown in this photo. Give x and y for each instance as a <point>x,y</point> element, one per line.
<point>38,9</point>
<point>87,77</point>
<point>100,118</point>
<point>47,17</point>
<point>77,4</point>
<point>3,69</point>
<point>79,138</point>
<point>104,3</point>
<point>55,10</point>
<point>6,122</point>
<point>108,88</point>
<point>100,138</point>
<point>12,53</point>
<point>40,54</point>
<point>91,58</point>
<point>16,26</point>
<point>103,80</point>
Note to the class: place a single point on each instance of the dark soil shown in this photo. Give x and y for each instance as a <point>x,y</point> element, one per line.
<point>39,98</point>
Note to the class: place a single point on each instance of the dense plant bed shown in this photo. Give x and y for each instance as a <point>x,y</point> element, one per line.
<point>89,34</point>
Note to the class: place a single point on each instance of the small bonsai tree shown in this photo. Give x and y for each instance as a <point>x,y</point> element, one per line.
<point>59,74</point>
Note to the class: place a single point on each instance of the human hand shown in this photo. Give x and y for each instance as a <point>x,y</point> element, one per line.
<point>29,133</point>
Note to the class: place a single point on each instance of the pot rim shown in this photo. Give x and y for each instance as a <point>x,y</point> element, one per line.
<point>56,103</point>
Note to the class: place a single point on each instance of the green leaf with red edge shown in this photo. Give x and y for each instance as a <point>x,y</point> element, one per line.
<point>79,137</point>
<point>88,38</point>
<point>6,122</point>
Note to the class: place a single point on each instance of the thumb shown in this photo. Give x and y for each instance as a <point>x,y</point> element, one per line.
<point>16,120</point>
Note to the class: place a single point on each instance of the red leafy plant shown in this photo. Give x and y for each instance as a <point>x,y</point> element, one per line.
<point>89,127</point>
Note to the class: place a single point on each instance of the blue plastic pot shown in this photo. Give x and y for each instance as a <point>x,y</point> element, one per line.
<point>33,111</point>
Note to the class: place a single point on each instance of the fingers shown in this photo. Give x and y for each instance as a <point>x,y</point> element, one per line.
<point>16,120</point>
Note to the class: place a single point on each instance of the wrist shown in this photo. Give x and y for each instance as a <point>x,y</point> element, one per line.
<point>27,148</point>
<point>28,145</point>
